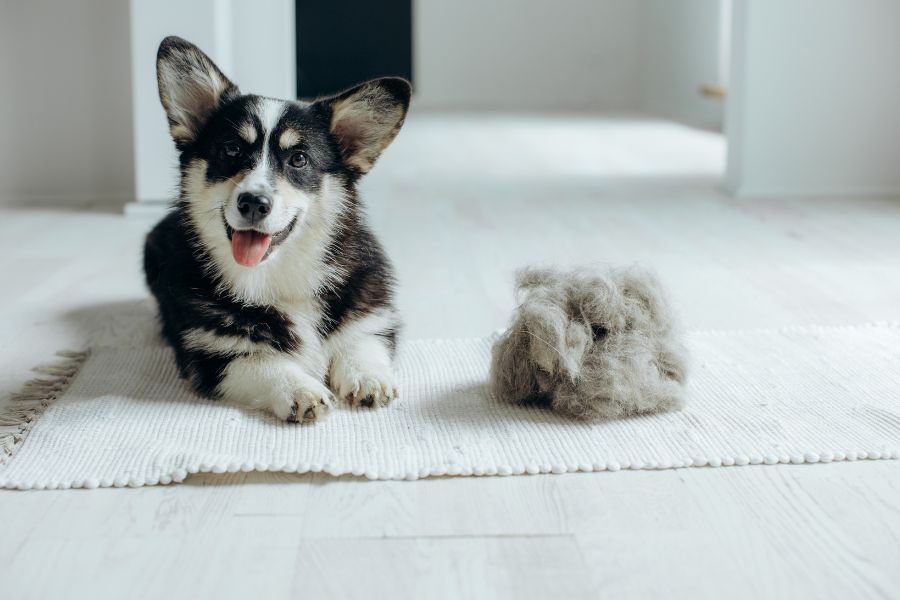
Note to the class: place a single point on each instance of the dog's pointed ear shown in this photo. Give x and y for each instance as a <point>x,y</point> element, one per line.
<point>365,119</point>
<point>191,86</point>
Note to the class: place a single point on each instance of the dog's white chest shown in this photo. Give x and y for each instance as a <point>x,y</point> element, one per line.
<point>305,315</point>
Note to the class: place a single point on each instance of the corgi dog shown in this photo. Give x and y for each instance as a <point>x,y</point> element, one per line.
<point>272,289</point>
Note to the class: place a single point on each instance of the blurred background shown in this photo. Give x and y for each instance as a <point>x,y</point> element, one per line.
<point>804,92</point>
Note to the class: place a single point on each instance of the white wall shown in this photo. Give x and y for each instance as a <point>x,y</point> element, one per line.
<point>605,55</point>
<point>65,104</point>
<point>814,102</point>
<point>526,54</point>
<point>680,51</point>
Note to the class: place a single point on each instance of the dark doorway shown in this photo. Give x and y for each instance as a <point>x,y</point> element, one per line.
<point>344,42</point>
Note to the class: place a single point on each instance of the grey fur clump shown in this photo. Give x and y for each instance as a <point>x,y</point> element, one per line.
<point>591,343</point>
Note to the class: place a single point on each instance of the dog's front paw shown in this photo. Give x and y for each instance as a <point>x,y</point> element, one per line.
<point>277,384</point>
<point>307,403</point>
<point>308,406</point>
<point>371,390</point>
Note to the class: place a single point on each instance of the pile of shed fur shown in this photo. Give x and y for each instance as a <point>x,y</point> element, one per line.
<point>592,344</point>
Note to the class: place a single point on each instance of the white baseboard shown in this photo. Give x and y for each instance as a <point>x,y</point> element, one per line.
<point>751,192</point>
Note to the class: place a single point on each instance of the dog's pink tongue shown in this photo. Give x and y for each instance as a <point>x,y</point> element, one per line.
<point>249,247</point>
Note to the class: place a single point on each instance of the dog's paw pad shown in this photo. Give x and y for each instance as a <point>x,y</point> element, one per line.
<point>370,392</point>
<point>308,407</point>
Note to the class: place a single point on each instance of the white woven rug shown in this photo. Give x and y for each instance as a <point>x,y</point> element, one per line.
<point>120,416</point>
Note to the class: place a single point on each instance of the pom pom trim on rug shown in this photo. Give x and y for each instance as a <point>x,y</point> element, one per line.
<point>879,440</point>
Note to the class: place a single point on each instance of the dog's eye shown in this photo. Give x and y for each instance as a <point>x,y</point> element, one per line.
<point>298,160</point>
<point>231,149</point>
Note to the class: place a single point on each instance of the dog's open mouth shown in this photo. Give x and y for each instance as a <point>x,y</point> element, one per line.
<point>250,247</point>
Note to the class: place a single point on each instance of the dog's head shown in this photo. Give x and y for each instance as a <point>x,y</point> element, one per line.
<point>255,170</point>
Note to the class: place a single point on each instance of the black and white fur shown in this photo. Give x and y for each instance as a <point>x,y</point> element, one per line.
<point>317,312</point>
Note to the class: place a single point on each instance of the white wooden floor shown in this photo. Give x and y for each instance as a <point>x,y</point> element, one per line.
<point>460,202</point>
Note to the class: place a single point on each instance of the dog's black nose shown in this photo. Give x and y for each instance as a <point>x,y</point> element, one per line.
<point>254,207</point>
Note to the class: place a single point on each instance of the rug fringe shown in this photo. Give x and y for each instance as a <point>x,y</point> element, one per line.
<point>34,397</point>
<point>15,416</point>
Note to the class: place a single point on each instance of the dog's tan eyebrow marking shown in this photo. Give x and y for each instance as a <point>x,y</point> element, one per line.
<point>289,137</point>
<point>248,132</point>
